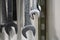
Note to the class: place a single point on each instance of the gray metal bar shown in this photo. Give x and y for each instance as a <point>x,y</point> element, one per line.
<point>27,11</point>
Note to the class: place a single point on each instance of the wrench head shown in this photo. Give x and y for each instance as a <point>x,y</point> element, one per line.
<point>27,28</point>
<point>8,27</point>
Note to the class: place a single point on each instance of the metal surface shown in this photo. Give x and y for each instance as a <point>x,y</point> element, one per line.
<point>8,27</point>
<point>28,24</point>
<point>8,16</point>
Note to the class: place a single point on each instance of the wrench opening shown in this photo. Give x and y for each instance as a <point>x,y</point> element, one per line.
<point>27,28</point>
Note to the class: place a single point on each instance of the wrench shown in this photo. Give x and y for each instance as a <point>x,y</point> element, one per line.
<point>28,25</point>
<point>10,22</point>
<point>8,16</point>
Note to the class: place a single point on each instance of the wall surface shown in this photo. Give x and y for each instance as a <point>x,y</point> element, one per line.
<point>53,17</point>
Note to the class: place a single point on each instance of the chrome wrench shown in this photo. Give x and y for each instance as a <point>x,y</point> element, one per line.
<point>8,16</point>
<point>28,24</point>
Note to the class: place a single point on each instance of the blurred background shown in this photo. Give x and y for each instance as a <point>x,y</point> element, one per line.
<point>49,21</point>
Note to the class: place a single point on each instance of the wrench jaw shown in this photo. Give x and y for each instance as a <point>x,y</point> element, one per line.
<point>8,27</point>
<point>27,28</point>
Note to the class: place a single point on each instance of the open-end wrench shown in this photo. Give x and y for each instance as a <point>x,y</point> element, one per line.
<point>28,24</point>
<point>8,16</point>
<point>10,22</point>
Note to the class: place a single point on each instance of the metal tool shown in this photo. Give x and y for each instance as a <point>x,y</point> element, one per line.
<point>8,16</point>
<point>28,24</point>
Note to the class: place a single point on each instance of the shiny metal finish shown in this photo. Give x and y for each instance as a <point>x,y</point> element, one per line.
<point>28,24</point>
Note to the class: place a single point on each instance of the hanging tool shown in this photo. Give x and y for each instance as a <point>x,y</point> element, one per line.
<point>7,15</point>
<point>28,24</point>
